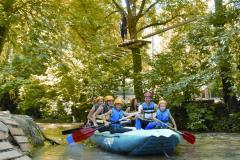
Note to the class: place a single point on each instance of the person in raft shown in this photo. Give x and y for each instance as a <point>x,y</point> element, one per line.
<point>163,114</point>
<point>146,111</point>
<point>133,107</point>
<point>104,108</point>
<point>98,102</point>
<point>116,114</point>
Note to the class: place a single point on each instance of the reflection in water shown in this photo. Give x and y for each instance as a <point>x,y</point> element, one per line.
<point>214,146</point>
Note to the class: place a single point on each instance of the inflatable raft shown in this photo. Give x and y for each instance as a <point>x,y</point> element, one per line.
<point>138,142</point>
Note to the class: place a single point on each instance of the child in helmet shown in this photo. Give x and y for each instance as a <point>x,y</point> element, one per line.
<point>104,108</point>
<point>163,114</point>
<point>116,113</point>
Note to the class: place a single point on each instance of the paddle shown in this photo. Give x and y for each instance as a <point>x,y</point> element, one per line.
<point>189,137</point>
<point>70,131</point>
<point>85,133</point>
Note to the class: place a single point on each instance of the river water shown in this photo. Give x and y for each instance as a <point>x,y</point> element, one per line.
<point>208,146</point>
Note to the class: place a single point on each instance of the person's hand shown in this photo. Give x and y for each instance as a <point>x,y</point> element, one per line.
<point>106,123</point>
<point>128,110</point>
<point>175,127</point>
<point>95,125</point>
<point>88,124</point>
<point>139,116</point>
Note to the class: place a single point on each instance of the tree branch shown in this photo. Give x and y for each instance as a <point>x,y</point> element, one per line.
<point>111,13</point>
<point>159,23</point>
<point>134,13</point>
<point>150,7</point>
<point>174,26</point>
<point>128,8</point>
<point>141,9</point>
<point>119,7</point>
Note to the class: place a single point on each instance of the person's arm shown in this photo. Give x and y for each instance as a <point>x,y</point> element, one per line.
<point>126,114</point>
<point>140,110</point>
<point>89,116</point>
<point>127,110</point>
<point>104,117</point>
<point>155,111</point>
<point>173,121</point>
<point>154,115</point>
<point>98,111</point>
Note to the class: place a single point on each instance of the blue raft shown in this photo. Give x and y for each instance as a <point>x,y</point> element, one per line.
<point>138,142</point>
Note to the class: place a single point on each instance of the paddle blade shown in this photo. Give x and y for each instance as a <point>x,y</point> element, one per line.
<point>189,137</point>
<point>69,139</point>
<point>82,134</point>
<point>69,131</point>
<point>83,137</point>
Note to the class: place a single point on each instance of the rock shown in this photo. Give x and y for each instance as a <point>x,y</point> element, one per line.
<point>18,135</point>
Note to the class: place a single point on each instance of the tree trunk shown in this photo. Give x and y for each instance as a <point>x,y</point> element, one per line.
<point>229,98</point>
<point>124,86</point>
<point>225,58</point>
<point>8,8</point>
<point>137,78</point>
<point>3,33</point>
<point>137,60</point>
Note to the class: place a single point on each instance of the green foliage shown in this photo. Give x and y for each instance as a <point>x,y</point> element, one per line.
<point>229,123</point>
<point>30,95</point>
<point>234,122</point>
<point>198,116</point>
<point>57,55</point>
<point>198,54</point>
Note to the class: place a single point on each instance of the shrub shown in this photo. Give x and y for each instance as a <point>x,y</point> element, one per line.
<point>200,116</point>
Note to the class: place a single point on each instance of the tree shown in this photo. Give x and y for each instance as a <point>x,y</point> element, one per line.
<point>64,58</point>
<point>156,13</point>
<point>209,51</point>
<point>32,33</point>
<point>224,57</point>
<point>6,8</point>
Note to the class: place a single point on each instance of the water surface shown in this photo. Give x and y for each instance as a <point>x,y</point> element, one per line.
<point>209,146</point>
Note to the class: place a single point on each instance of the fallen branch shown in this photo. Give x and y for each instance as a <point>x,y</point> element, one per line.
<point>51,141</point>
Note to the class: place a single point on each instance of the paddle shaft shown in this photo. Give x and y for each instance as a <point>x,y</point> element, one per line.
<point>124,118</point>
<point>69,131</point>
<point>167,126</point>
<point>186,135</point>
<point>135,113</point>
<point>127,117</point>
<point>89,133</point>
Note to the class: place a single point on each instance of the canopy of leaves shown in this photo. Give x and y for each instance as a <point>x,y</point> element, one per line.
<point>57,54</point>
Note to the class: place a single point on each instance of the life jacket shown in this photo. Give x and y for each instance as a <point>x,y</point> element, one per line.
<point>106,108</point>
<point>148,110</point>
<point>96,106</point>
<point>116,116</point>
<point>163,116</point>
<point>99,121</point>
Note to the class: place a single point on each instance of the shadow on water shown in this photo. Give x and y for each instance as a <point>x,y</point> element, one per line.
<point>214,146</point>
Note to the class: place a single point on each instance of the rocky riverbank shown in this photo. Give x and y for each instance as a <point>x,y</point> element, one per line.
<point>19,134</point>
